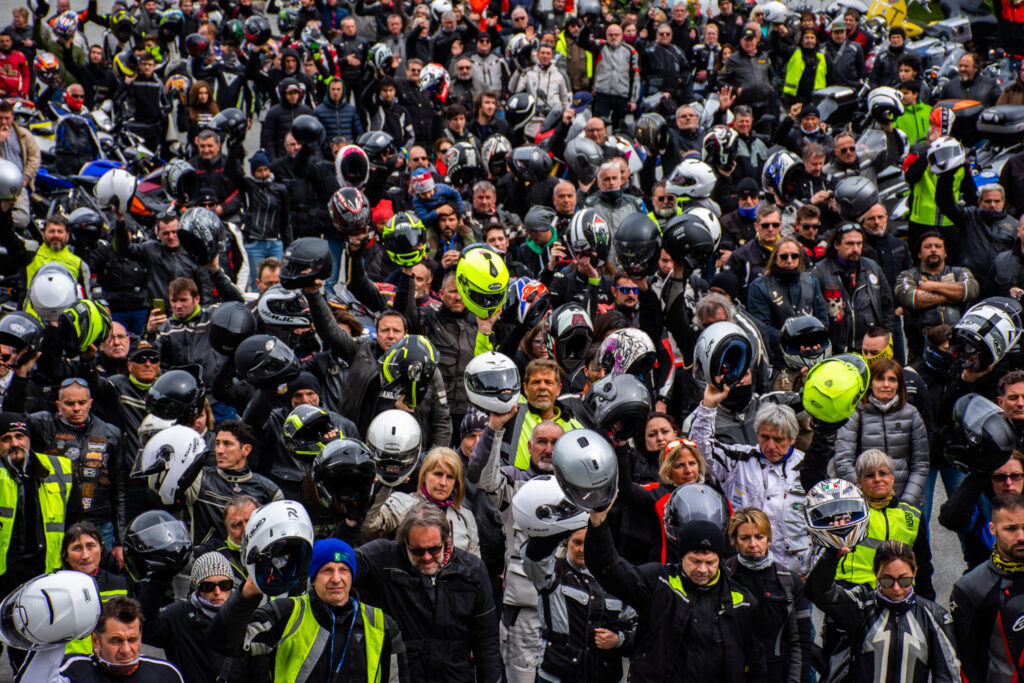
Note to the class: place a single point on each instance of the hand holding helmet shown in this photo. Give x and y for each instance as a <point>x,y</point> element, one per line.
<point>586,468</point>
<point>541,509</point>
<point>51,609</point>
<point>277,546</point>
<point>836,514</point>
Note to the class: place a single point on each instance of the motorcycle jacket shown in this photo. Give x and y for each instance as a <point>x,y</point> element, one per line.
<point>213,489</point>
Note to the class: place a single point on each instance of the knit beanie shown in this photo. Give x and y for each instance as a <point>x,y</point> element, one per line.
<point>258,159</point>
<point>331,550</point>
<point>700,535</point>
<point>209,564</point>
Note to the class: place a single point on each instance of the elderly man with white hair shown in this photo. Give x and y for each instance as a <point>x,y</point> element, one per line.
<point>610,200</point>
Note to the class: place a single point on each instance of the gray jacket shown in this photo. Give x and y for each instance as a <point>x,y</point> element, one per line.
<point>617,71</point>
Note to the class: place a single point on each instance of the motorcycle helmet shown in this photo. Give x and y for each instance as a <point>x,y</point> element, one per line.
<point>834,387</point>
<point>305,431</point>
<point>723,350</point>
<point>855,196</point>
<point>798,339</point>
<point>519,50</point>
<point>836,514</point>
<point>350,211</point>
<point>11,181</point>
<point>463,164</point>
<point>86,227</point>
<point>983,437</point>
<point>266,361</point>
<point>404,239</point>
<point>494,151</point>
<point>775,12</point>
<point>277,546</point>
<point>482,280</point>
<point>688,240</point>
<point>588,8</point>
<point>122,23</point>
<point>172,25</point>
<point>942,119</point>
<point>171,459</point>
<point>156,545</point>
<point>945,155</point>
<point>492,382</point>
<point>638,245</point>
<point>584,157</point>
<point>986,332</point>
<point>381,57</point>
<point>231,124</point>
<point>720,146</point>
<point>588,235</point>
<point>651,131</point>
<point>20,330</point>
<point>257,29</point>
<point>150,426</point>
<point>47,68</point>
<point>710,220</point>
<point>50,609</point>
<point>628,351</point>
<point>691,503</point>
<point>83,324</point>
<point>586,468</point>
<point>526,303</point>
<point>529,163</point>
<point>352,166</point>
<point>519,109</point>
<point>783,174</point>
<point>305,261</point>
<point>343,473</point>
<point>284,307</point>
<point>434,81</point>
<point>885,104</point>
<point>287,20</point>
<point>540,508</point>
<point>179,180</point>
<point>177,395</point>
<point>935,358</point>
<point>394,440</point>
<point>378,144</point>
<point>569,335</point>
<point>691,178</point>
<point>408,368</point>
<point>231,32</point>
<point>312,38</point>
<point>197,45</point>
<point>307,129</point>
<point>231,323</point>
<point>116,188</point>
<point>438,8</point>
<point>65,26</point>
<point>200,231</point>
<point>619,405</point>
<point>52,290</point>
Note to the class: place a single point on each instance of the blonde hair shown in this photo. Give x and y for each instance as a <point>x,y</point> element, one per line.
<point>749,515</point>
<point>444,458</point>
<point>671,454</point>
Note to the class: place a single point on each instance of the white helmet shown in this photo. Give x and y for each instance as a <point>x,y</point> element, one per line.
<point>150,425</point>
<point>277,546</point>
<point>116,184</point>
<point>50,610</point>
<point>492,382</point>
<point>945,155</point>
<point>885,102</point>
<point>691,178</point>
<point>439,7</point>
<point>172,459</point>
<point>11,181</point>
<point>540,508</point>
<point>628,351</point>
<point>775,12</point>
<point>711,221</point>
<point>836,514</point>
<point>722,349</point>
<point>394,439</point>
<point>52,290</point>
<point>986,332</point>
<point>586,468</point>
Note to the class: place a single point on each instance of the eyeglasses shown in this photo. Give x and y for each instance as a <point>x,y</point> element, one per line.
<point>843,150</point>
<point>890,581</point>
<point>664,33</point>
<point>766,224</point>
<point>420,552</point>
<point>628,290</point>
<point>209,586</point>
<point>788,257</point>
<point>816,226</point>
<point>119,337</point>
<point>1003,478</point>
<point>146,358</point>
<point>74,380</point>
<point>664,198</point>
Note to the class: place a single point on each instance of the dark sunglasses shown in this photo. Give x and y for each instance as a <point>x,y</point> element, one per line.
<point>147,358</point>
<point>1016,476</point>
<point>788,257</point>
<point>434,550</point>
<point>207,204</point>
<point>74,380</point>
<point>816,226</point>
<point>208,586</point>
<point>890,581</point>
<point>628,290</point>
<point>771,225</point>
<point>844,149</point>
<point>666,198</point>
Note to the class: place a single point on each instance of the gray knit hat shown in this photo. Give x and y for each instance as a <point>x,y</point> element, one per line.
<point>210,564</point>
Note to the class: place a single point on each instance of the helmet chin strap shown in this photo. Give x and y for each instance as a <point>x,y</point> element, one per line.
<point>118,669</point>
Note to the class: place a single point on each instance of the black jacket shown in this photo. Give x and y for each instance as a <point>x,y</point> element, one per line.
<point>1007,270</point>
<point>185,342</point>
<point>123,280</point>
<point>310,181</point>
<point>265,210</point>
<point>890,252</point>
<point>213,175</point>
<point>162,264</point>
<point>982,88</point>
<point>276,125</point>
<point>868,302</point>
<point>979,236</point>
<point>213,489</point>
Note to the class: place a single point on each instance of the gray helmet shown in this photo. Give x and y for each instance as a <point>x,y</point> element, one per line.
<point>836,514</point>
<point>583,156</point>
<point>586,469</point>
<point>11,181</point>
<point>855,195</point>
<point>53,289</point>
<point>619,405</point>
<point>692,502</point>
<point>284,307</point>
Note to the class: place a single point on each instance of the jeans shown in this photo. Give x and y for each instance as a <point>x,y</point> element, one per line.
<point>951,478</point>
<point>337,248</point>
<point>107,532</point>
<point>259,250</point>
<point>133,321</point>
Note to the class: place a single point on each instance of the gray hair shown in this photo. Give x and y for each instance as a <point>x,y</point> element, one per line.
<point>448,15</point>
<point>609,165</point>
<point>992,187</point>
<point>873,460</point>
<point>483,186</point>
<point>766,209</point>
<point>424,515</point>
<point>709,304</point>
<point>778,417</point>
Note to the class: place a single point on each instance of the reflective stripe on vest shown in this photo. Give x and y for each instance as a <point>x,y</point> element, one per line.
<point>83,646</point>
<point>676,582</point>
<point>304,642</point>
<point>795,70</point>
<point>897,523</point>
<point>46,255</point>
<point>54,492</point>
<point>530,421</point>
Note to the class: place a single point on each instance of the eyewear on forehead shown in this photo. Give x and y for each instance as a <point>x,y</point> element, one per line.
<point>890,581</point>
<point>74,380</point>
<point>676,443</point>
<point>1016,476</point>
<point>208,586</point>
<point>420,552</point>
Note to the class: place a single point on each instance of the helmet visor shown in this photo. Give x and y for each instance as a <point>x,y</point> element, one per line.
<point>838,513</point>
<point>946,156</point>
<point>142,468</point>
<point>281,565</point>
<point>497,383</point>
<point>14,619</point>
<point>489,301</point>
<point>557,513</point>
<point>393,468</point>
<point>591,499</point>
<point>275,362</point>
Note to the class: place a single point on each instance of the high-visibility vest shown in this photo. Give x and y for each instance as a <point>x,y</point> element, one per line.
<point>560,46</point>
<point>83,646</point>
<point>46,255</point>
<point>795,70</point>
<point>531,420</point>
<point>54,492</point>
<point>922,206</point>
<point>676,582</point>
<point>304,641</point>
<point>896,523</point>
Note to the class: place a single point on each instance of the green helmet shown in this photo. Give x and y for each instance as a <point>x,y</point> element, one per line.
<point>405,239</point>
<point>482,279</point>
<point>84,324</point>
<point>835,386</point>
<point>408,367</point>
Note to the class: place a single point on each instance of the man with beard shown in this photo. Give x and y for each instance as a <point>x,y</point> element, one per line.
<point>15,75</point>
<point>54,249</point>
<point>738,225</point>
<point>981,228</point>
<point>891,253</point>
<point>971,84</point>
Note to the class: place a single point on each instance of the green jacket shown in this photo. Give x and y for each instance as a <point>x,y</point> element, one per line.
<point>914,121</point>
<point>50,45</point>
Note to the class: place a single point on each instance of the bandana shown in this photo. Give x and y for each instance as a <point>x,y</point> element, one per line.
<point>880,503</point>
<point>1006,566</point>
<point>122,669</point>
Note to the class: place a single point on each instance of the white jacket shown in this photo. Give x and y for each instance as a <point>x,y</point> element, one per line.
<point>546,85</point>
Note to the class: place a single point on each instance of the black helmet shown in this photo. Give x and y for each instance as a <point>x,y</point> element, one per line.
<point>307,129</point>
<point>350,211</point>
<point>569,335</point>
<point>311,254</point>
<point>408,368</point>
<point>257,29</point>
<point>200,231</point>
<point>463,163</point>
<point>529,163</point>
<point>691,503</point>
<point>584,157</point>
<point>305,431</point>
<point>21,330</point>
<point>377,144</point>
<point>343,473</point>
<point>85,226</point>
<point>266,361</point>
<point>520,109</point>
<point>230,123</point>
<point>156,545</point>
<point>688,240</point>
<point>177,395</point>
<point>171,26</point>
<point>287,20</point>
<point>197,45</point>
<point>619,405</point>
<point>983,439</point>
<point>652,132</point>
<point>231,31</point>
<point>230,324</point>
<point>638,245</point>
<point>284,308</point>
<point>179,180</point>
<point>804,341</point>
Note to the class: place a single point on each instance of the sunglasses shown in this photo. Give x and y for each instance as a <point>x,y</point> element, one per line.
<point>843,150</point>
<point>74,380</point>
<point>209,586</point>
<point>767,224</point>
<point>676,443</point>
<point>628,290</point>
<point>816,226</point>
<point>890,581</point>
<point>146,358</point>
<point>788,257</point>
<point>1016,476</point>
<point>434,550</point>
<point>666,198</point>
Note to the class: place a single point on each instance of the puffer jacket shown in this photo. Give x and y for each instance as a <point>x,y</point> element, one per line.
<point>339,118</point>
<point>617,71</point>
<point>389,507</point>
<point>900,432</point>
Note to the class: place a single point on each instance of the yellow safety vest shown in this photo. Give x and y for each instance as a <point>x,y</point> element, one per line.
<point>531,420</point>
<point>795,71</point>
<point>896,523</point>
<point>560,46</point>
<point>676,582</point>
<point>46,255</point>
<point>923,208</point>
<point>54,492</point>
<point>83,646</point>
<point>293,661</point>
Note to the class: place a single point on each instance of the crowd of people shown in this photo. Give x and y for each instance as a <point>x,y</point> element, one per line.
<point>530,341</point>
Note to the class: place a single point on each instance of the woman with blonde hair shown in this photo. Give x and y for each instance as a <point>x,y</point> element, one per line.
<point>441,482</point>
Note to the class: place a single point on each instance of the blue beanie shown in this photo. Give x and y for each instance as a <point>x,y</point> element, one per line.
<point>331,550</point>
<point>258,159</point>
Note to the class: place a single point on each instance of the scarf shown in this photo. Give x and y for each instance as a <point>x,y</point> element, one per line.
<point>64,424</point>
<point>903,604</point>
<point>141,386</point>
<point>880,503</point>
<point>1006,566</point>
<point>754,564</point>
<point>440,503</point>
<point>208,609</point>
<point>122,669</point>
<point>886,406</point>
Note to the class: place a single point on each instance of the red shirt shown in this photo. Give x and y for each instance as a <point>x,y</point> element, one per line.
<point>14,74</point>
